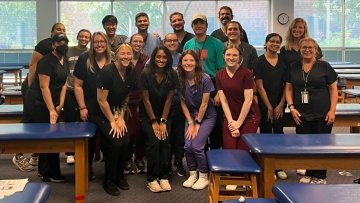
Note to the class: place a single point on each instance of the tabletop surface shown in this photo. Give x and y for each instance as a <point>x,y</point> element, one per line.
<point>355,92</point>
<point>306,193</point>
<point>11,109</point>
<point>349,71</point>
<point>10,93</point>
<point>39,131</point>
<point>350,76</point>
<point>303,144</point>
<point>10,68</point>
<point>33,192</point>
<point>345,66</point>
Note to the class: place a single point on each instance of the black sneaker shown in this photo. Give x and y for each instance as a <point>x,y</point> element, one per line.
<point>179,168</point>
<point>129,168</point>
<point>140,166</point>
<point>111,188</point>
<point>57,179</point>
<point>123,184</point>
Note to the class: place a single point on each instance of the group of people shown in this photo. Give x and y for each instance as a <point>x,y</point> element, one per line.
<point>178,96</point>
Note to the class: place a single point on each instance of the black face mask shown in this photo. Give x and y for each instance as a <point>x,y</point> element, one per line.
<point>61,50</point>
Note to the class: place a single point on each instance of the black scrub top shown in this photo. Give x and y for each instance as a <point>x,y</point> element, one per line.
<point>49,65</point>
<point>319,77</point>
<point>158,92</point>
<point>110,79</point>
<point>89,83</point>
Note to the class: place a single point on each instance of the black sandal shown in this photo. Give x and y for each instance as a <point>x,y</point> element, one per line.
<point>357,181</point>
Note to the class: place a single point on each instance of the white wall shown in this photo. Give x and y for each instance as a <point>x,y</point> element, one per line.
<point>277,7</point>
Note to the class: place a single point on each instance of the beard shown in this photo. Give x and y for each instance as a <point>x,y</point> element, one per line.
<point>225,20</point>
<point>178,30</point>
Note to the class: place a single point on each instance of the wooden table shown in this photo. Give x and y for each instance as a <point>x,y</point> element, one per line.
<point>12,97</point>
<point>347,115</point>
<point>11,113</point>
<point>16,70</point>
<point>52,138</point>
<point>351,92</point>
<point>351,80</point>
<point>310,151</point>
<point>306,193</point>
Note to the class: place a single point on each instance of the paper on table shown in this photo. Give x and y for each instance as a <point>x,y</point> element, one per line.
<point>9,187</point>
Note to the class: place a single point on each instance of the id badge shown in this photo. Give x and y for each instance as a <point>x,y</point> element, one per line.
<point>305,97</point>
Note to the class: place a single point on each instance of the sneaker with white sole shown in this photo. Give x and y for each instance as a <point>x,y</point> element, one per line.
<point>281,174</point>
<point>301,172</point>
<point>22,163</point>
<point>305,179</point>
<point>70,160</point>
<point>165,185</point>
<point>202,182</point>
<point>154,186</point>
<point>318,181</point>
<point>34,160</point>
<point>191,180</point>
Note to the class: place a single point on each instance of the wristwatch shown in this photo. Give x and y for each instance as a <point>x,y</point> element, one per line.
<point>197,121</point>
<point>163,120</point>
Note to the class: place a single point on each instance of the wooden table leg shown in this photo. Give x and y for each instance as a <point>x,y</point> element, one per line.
<point>268,177</point>
<point>81,170</point>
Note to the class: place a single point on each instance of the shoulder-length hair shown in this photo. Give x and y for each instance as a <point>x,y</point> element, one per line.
<point>91,60</point>
<point>289,39</point>
<point>182,73</point>
<point>168,75</point>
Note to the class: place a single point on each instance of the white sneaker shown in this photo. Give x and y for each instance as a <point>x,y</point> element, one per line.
<point>191,180</point>
<point>70,160</point>
<point>318,181</point>
<point>22,163</point>
<point>282,175</point>
<point>165,185</point>
<point>34,160</point>
<point>305,179</point>
<point>202,182</point>
<point>301,171</point>
<point>154,186</point>
<point>231,187</point>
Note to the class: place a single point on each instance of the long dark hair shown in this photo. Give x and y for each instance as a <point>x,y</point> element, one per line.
<point>168,70</point>
<point>182,72</point>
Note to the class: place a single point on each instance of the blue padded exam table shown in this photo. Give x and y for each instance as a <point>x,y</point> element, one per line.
<point>52,138</point>
<point>33,192</point>
<point>306,193</point>
<point>11,113</point>
<point>310,151</point>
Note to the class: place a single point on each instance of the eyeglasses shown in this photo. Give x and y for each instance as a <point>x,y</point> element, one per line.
<point>99,42</point>
<point>307,48</point>
<point>172,40</point>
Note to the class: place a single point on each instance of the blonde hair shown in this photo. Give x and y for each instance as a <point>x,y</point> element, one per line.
<point>289,39</point>
<point>124,45</point>
<point>91,59</point>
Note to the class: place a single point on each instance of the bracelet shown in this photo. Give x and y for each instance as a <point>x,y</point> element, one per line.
<point>163,120</point>
<point>290,105</point>
<point>190,122</point>
<point>82,108</point>
<point>197,121</point>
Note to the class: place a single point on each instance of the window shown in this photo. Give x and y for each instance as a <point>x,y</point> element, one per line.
<point>18,27</point>
<point>88,14</point>
<point>335,25</point>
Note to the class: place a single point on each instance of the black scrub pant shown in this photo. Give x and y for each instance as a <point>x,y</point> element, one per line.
<point>157,152</point>
<point>114,150</point>
<point>277,126</point>
<point>177,139</point>
<point>71,110</point>
<point>314,127</point>
<point>49,163</point>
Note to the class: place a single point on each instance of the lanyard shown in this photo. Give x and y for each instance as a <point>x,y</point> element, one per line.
<point>305,77</point>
